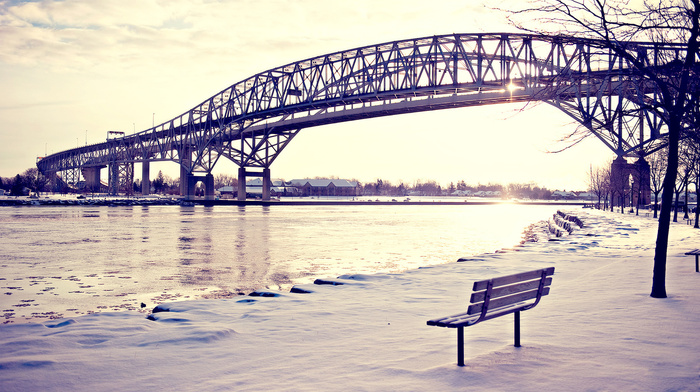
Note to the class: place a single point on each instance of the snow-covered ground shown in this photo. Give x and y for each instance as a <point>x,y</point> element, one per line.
<point>598,330</point>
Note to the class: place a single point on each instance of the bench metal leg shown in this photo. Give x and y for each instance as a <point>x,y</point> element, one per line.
<point>696,264</point>
<point>517,329</point>
<point>460,346</point>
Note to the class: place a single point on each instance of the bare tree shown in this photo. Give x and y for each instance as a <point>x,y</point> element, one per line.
<point>679,187</point>
<point>694,162</point>
<point>657,171</point>
<point>612,24</point>
<point>599,183</point>
<point>222,180</point>
<point>685,173</point>
<point>619,184</point>
<point>689,172</point>
<point>34,180</point>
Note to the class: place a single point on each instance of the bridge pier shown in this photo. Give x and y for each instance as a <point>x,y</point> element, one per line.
<point>241,184</point>
<point>191,184</point>
<point>243,174</point>
<point>120,178</point>
<point>640,192</point>
<point>266,184</point>
<point>185,154</point>
<point>183,182</point>
<point>92,178</point>
<point>113,178</point>
<point>145,178</point>
<point>642,182</point>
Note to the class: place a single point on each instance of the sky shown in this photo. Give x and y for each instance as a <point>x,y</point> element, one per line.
<point>71,71</point>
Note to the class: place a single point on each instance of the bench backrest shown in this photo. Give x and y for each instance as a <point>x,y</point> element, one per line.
<point>510,293</point>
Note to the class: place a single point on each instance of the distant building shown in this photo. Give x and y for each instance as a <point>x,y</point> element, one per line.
<point>587,196</point>
<point>227,192</point>
<point>563,195</point>
<point>277,188</point>
<point>461,193</point>
<point>300,187</point>
<point>325,187</point>
<point>487,194</point>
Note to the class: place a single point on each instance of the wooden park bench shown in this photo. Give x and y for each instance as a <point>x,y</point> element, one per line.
<point>695,253</point>
<point>498,297</point>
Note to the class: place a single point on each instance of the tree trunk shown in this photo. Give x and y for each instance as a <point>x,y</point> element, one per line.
<point>697,206</point>
<point>612,201</point>
<point>656,205</point>
<point>658,286</point>
<point>675,207</point>
<point>685,205</point>
<point>697,201</point>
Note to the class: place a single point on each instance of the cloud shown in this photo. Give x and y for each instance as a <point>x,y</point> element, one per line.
<point>103,35</point>
<point>99,65</point>
<point>34,105</point>
<point>80,35</point>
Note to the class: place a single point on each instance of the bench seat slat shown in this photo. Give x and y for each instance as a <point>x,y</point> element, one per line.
<point>454,321</point>
<point>510,279</point>
<point>465,319</point>
<point>510,289</point>
<point>506,301</point>
<point>695,252</point>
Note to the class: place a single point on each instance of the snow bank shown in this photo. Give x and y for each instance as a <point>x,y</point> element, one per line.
<point>597,330</point>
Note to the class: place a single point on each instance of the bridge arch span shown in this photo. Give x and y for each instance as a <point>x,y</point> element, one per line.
<point>252,121</point>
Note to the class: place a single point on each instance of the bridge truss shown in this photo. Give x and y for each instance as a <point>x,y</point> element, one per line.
<point>252,121</point>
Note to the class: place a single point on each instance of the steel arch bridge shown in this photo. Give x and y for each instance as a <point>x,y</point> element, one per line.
<point>252,121</point>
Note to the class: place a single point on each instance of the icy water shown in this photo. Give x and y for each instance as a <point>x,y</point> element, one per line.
<point>66,260</point>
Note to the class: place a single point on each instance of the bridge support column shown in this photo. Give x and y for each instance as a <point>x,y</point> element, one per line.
<point>190,186</point>
<point>192,180</point>
<point>640,192</point>
<point>185,163</point>
<point>209,192</point>
<point>92,178</point>
<point>243,174</point>
<point>183,181</point>
<point>642,182</point>
<point>619,176</point>
<point>145,178</point>
<point>266,184</point>
<point>113,179</point>
<point>121,178</point>
<point>241,184</point>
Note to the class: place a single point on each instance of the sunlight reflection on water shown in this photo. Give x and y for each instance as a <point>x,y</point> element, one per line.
<point>60,261</point>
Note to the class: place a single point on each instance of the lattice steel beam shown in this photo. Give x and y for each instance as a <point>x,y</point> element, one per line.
<point>252,121</point>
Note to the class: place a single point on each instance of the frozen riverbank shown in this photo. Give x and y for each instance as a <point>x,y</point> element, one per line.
<point>597,330</point>
<point>72,200</point>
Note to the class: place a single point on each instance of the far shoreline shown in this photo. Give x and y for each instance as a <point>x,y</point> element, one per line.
<point>146,201</point>
<point>381,202</point>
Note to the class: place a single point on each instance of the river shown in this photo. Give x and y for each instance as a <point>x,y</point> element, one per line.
<point>61,261</point>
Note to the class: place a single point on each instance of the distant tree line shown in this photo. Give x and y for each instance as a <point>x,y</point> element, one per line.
<point>31,180</point>
<point>432,188</point>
